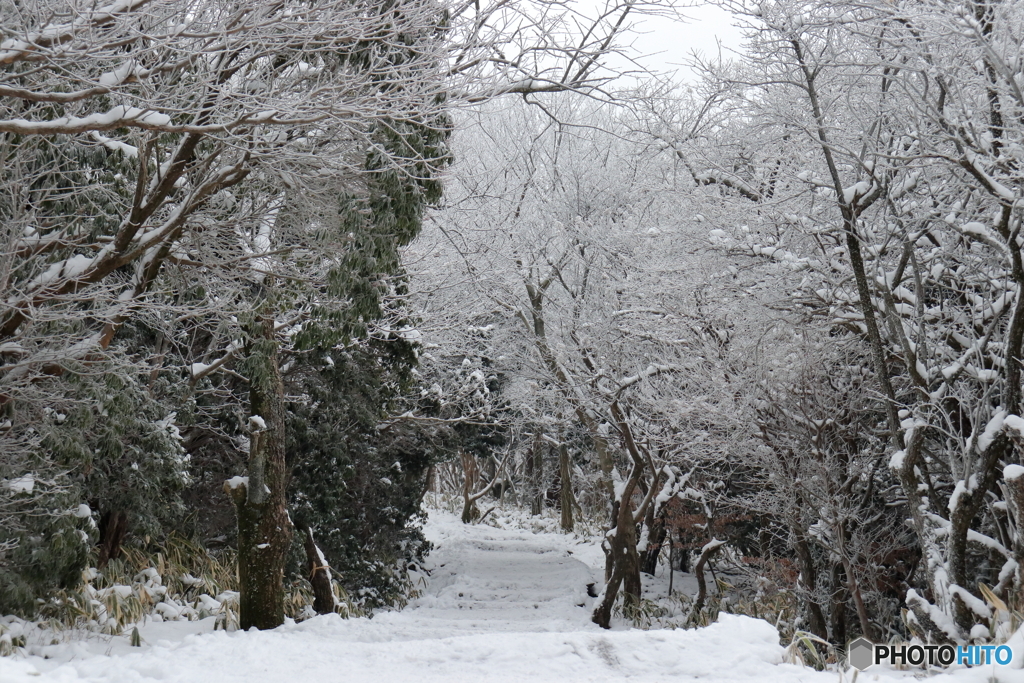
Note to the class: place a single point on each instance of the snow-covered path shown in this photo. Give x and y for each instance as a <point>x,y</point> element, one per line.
<point>498,581</point>
<point>499,605</point>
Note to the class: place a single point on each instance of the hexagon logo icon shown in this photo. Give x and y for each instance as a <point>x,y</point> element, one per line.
<point>859,654</point>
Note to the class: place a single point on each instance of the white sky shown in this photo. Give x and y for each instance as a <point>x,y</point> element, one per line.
<point>675,41</point>
<point>670,43</point>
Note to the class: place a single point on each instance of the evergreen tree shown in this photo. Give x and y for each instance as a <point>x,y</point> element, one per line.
<point>103,451</point>
<point>357,486</point>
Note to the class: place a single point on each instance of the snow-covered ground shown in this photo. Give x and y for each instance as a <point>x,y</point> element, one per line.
<point>500,604</point>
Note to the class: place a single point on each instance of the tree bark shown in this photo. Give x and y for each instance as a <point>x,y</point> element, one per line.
<point>319,576</point>
<point>1015,498</point>
<point>671,564</point>
<point>698,570</point>
<point>808,581</point>
<point>566,497</point>
<point>838,609</point>
<point>604,461</point>
<point>858,600</point>
<point>535,468</point>
<point>113,527</point>
<point>624,560</point>
<point>656,534</point>
<point>264,529</point>
<point>470,475</point>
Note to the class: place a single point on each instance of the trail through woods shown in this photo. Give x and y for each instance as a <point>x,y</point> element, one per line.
<point>498,605</point>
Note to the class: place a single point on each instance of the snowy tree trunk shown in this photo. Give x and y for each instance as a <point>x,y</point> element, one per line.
<point>966,508</point>
<point>838,604</point>
<point>866,629</point>
<point>808,579</point>
<point>535,470</point>
<point>566,497</point>
<point>470,475</point>
<point>319,576</point>
<point>656,534</point>
<point>604,461</point>
<point>624,560</point>
<point>1013,476</point>
<point>264,529</point>
<point>706,554</point>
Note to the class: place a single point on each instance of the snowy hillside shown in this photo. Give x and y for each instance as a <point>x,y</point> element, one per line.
<point>498,605</point>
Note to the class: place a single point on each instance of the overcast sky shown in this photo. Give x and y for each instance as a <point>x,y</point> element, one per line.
<point>670,43</point>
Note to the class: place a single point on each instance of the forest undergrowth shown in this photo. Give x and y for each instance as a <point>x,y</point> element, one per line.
<point>177,580</point>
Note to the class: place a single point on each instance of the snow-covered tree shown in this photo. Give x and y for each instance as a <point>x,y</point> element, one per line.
<point>890,132</point>
<point>566,228</point>
<point>265,161</point>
